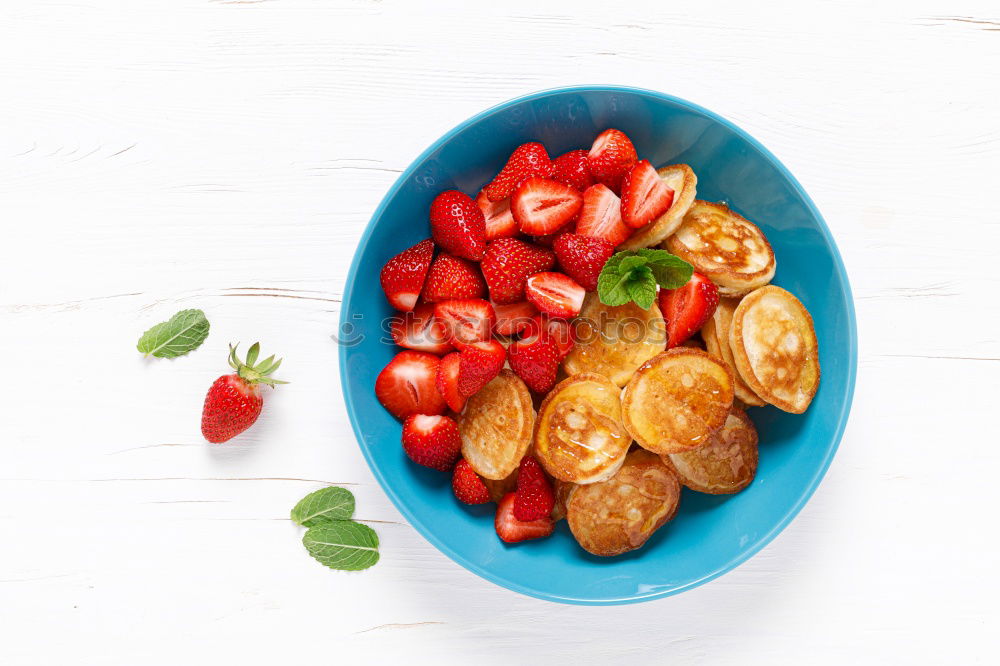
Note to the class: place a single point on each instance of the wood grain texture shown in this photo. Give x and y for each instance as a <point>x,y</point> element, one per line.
<point>227,155</point>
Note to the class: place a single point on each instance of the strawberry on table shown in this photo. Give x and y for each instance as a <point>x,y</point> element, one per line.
<point>582,257</point>
<point>467,485</point>
<point>645,196</point>
<point>529,159</point>
<point>508,263</point>
<point>499,220</point>
<point>421,330</point>
<point>403,276</point>
<point>573,169</point>
<point>452,277</point>
<point>542,206</point>
<point>233,402</point>
<point>514,317</point>
<point>407,385</point>
<point>601,216</point>
<point>512,530</point>
<point>479,362</point>
<point>432,441</point>
<point>447,382</point>
<point>687,308</point>
<point>610,158</point>
<point>458,225</point>
<point>466,320</point>
<point>535,359</point>
<point>555,294</point>
<point>534,498</point>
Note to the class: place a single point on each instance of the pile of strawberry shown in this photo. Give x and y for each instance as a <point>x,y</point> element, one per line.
<point>515,262</point>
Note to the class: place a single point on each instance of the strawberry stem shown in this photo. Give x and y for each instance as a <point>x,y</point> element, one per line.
<point>254,374</point>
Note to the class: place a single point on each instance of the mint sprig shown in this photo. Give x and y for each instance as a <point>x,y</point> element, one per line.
<point>634,275</point>
<point>183,332</point>
<point>326,505</point>
<point>333,539</point>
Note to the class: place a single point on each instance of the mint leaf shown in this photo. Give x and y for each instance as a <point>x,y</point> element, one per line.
<point>634,275</point>
<point>653,256</point>
<point>324,506</point>
<point>343,544</point>
<point>611,287</point>
<point>631,262</point>
<point>671,272</point>
<point>183,332</point>
<point>642,287</point>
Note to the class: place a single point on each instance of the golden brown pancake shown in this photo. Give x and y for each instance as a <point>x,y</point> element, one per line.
<point>620,514</point>
<point>676,401</point>
<point>563,491</point>
<point>683,182</point>
<point>715,333</point>
<point>496,426</point>
<point>774,348</point>
<point>724,465</point>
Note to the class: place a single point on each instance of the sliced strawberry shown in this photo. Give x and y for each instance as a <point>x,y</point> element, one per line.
<point>499,220</point>
<point>529,159</point>
<point>534,498</point>
<point>573,169</point>
<point>541,206</point>
<point>467,485</point>
<point>421,331</point>
<point>466,320</point>
<point>403,276</point>
<point>535,359</point>
<point>513,318</point>
<point>479,362</point>
<point>451,277</point>
<point>559,331</point>
<point>686,309</point>
<point>610,158</point>
<point>555,294</point>
<point>458,225</point>
<point>407,385</point>
<point>601,216</point>
<point>582,257</point>
<point>432,441</point>
<point>512,530</point>
<point>508,263</point>
<point>447,382</point>
<point>645,196</point>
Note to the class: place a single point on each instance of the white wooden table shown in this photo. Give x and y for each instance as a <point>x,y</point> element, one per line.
<point>226,155</point>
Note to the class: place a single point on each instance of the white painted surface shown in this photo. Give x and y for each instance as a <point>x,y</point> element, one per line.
<point>226,155</point>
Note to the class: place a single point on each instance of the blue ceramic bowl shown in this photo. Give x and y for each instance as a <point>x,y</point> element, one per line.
<point>711,534</point>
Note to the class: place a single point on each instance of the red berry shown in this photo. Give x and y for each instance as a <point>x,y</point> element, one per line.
<point>508,263</point>
<point>458,226</point>
<point>559,331</point>
<point>513,318</point>
<point>573,169</point>
<point>407,385</point>
<point>233,402</point>
<point>610,158</point>
<point>687,308</point>
<point>541,206</point>
<point>403,276</point>
<point>534,498</point>
<point>466,320</point>
<point>447,382</point>
<point>432,441</point>
<point>529,159</point>
<point>535,359</point>
<point>479,362</point>
<point>582,257</point>
<point>645,196</point>
<point>555,294</point>
<point>451,277</point>
<point>499,220</point>
<point>512,530</point>
<point>467,486</point>
<point>421,331</point>
<point>601,216</point>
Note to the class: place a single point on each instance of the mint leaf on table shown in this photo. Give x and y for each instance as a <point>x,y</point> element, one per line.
<point>342,544</point>
<point>326,505</point>
<point>183,332</point>
<point>635,276</point>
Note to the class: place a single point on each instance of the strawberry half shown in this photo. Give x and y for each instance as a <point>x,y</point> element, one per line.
<point>559,331</point>
<point>403,276</point>
<point>645,196</point>
<point>512,530</point>
<point>513,318</point>
<point>467,485</point>
<point>407,385</point>
<point>573,169</point>
<point>555,294</point>
<point>421,331</point>
<point>508,263</point>
<point>535,359</point>
<point>601,216</point>
<point>466,320</point>
<point>611,156</point>
<point>451,277</point>
<point>479,362</point>
<point>529,159</point>
<point>582,257</point>
<point>687,308</point>
<point>458,225</point>
<point>542,206</point>
<point>432,441</point>
<point>534,498</point>
<point>447,382</point>
<point>499,220</point>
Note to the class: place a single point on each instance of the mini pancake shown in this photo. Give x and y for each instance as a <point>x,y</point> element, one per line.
<point>681,179</point>
<point>715,333</point>
<point>579,436</point>
<point>563,491</point>
<point>726,464</point>
<point>774,348</point>
<point>615,340</point>
<point>620,514</point>
<point>676,401</point>
<point>725,247</point>
<point>496,426</point>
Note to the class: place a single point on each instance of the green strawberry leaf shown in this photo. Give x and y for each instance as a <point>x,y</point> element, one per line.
<point>343,544</point>
<point>642,287</point>
<point>324,506</point>
<point>183,332</point>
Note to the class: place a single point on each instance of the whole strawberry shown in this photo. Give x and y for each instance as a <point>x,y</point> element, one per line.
<point>234,401</point>
<point>458,225</point>
<point>582,257</point>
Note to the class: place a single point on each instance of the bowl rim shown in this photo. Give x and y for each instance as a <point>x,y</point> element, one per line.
<point>790,513</point>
